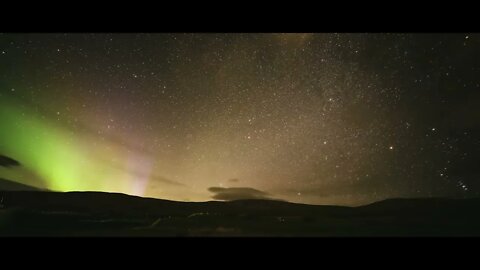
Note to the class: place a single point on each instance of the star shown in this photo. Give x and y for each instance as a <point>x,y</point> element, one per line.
<point>142,112</point>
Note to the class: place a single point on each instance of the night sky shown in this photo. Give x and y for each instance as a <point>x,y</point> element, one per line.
<point>321,118</point>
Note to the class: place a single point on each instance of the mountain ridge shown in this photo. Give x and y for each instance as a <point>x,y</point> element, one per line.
<point>88,213</point>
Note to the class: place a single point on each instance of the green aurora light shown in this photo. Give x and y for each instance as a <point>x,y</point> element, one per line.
<point>63,160</point>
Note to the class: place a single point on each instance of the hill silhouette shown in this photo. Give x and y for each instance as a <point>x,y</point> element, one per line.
<point>8,185</point>
<point>114,214</point>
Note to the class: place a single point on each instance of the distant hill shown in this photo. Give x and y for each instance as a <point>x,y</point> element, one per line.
<point>114,214</point>
<point>8,185</point>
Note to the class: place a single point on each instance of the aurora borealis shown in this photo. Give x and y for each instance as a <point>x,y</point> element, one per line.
<point>314,118</point>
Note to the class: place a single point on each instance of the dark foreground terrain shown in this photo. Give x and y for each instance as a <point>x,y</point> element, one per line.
<point>33,213</point>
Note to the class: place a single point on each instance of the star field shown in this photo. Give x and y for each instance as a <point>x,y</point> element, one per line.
<point>314,118</point>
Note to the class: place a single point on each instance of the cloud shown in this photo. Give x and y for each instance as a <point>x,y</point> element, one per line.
<point>160,179</point>
<point>141,174</point>
<point>238,193</point>
<point>8,162</point>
